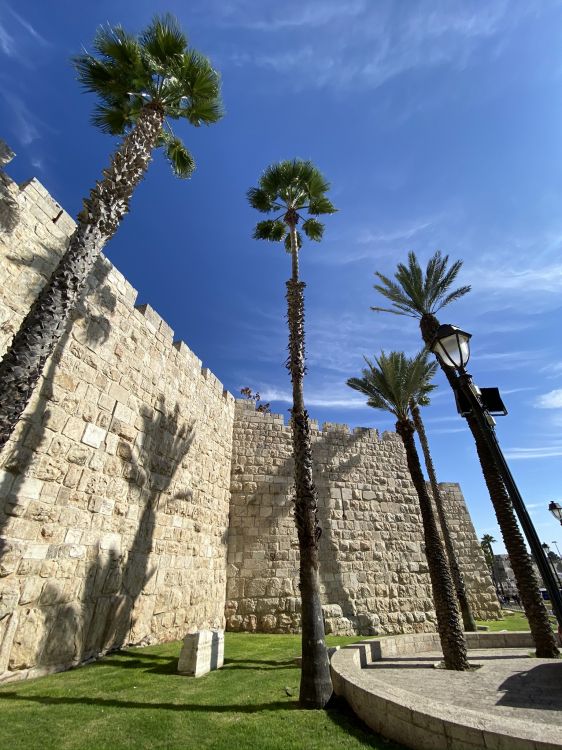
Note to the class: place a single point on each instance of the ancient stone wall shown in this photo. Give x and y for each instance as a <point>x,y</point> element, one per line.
<point>114,489</point>
<point>479,586</point>
<point>373,570</point>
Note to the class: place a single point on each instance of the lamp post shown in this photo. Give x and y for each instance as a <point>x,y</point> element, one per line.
<point>556,510</point>
<point>451,345</point>
<point>557,548</point>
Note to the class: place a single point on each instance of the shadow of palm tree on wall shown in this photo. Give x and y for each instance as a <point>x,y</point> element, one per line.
<point>279,496</point>
<point>114,607</point>
<point>17,459</point>
<point>118,596</point>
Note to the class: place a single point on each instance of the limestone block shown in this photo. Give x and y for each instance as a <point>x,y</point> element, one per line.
<point>93,435</point>
<point>8,601</point>
<point>202,652</point>
<point>25,486</point>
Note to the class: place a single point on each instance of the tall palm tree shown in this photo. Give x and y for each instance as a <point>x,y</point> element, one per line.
<point>392,383</point>
<point>464,605</point>
<point>486,544</point>
<point>142,83</point>
<point>288,189</point>
<point>421,295</point>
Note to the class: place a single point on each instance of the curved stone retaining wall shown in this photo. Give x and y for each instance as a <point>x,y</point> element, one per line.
<point>417,719</point>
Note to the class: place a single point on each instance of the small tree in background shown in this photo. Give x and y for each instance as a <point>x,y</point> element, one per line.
<point>247,393</point>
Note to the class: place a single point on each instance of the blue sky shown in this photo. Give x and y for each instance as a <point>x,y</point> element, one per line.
<point>439,126</point>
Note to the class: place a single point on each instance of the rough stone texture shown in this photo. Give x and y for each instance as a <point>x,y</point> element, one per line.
<point>114,489</point>
<point>201,652</point>
<point>479,586</point>
<point>374,576</point>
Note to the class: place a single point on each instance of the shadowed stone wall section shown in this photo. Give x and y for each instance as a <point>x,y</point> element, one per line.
<point>480,589</point>
<point>374,575</point>
<point>114,489</point>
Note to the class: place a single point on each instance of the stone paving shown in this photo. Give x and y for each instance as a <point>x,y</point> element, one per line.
<point>508,683</point>
<point>512,701</point>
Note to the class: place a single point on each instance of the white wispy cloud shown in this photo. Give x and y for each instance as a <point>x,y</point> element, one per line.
<point>515,454</point>
<point>382,41</point>
<point>552,370</point>
<point>397,234</point>
<point>530,280</point>
<point>7,42</point>
<point>550,400</point>
<point>17,38</point>
<point>371,245</point>
<point>314,398</point>
<point>293,15</point>
<point>506,360</point>
<point>448,430</point>
<point>25,123</point>
<point>31,30</point>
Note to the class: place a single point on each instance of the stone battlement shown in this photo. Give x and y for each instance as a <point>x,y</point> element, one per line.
<point>247,408</point>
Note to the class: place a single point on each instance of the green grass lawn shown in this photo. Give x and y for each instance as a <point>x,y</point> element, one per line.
<point>134,699</point>
<point>510,621</point>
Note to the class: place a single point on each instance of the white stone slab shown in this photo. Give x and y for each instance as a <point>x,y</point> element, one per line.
<point>93,435</point>
<point>201,652</point>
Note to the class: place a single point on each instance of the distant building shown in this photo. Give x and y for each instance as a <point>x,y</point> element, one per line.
<point>504,577</point>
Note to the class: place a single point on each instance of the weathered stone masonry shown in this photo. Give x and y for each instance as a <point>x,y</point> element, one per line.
<point>115,488</point>
<point>374,575</point>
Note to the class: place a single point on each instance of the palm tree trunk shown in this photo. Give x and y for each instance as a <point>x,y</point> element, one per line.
<point>46,321</point>
<point>520,559</point>
<point>316,683</point>
<point>467,617</point>
<point>448,620</point>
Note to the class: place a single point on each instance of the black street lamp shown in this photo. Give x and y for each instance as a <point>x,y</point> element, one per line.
<point>452,346</point>
<point>556,510</point>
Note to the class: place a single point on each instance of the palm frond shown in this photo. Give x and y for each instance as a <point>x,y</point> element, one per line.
<point>313,229</point>
<point>113,120</point>
<point>178,155</point>
<point>394,380</point>
<point>394,294</point>
<point>457,294</point>
<point>417,293</point>
<point>260,200</point>
<point>203,111</point>
<point>117,46</point>
<point>321,205</point>
<point>274,231</point>
<point>163,39</point>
